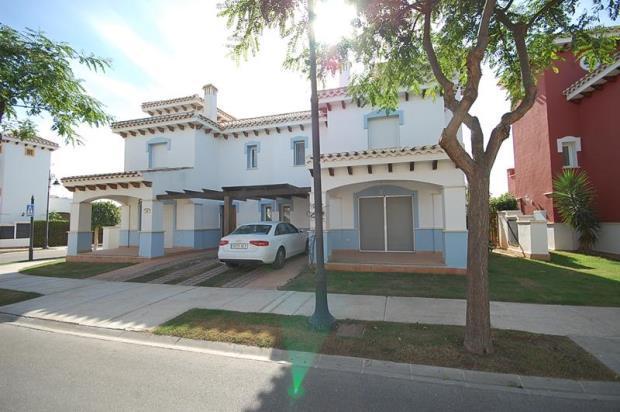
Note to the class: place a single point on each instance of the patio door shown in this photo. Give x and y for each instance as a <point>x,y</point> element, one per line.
<point>386,224</point>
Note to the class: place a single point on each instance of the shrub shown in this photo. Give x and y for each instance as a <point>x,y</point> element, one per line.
<point>503,202</point>
<point>573,197</point>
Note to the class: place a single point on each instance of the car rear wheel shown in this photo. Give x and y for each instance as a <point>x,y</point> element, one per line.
<point>232,265</point>
<point>280,259</point>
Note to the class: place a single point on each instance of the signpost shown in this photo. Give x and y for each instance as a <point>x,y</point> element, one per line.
<point>30,212</point>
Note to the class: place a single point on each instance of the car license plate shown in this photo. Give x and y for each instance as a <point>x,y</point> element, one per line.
<point>238,245</point>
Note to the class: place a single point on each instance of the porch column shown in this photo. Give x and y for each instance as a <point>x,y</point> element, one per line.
<point>455,227</point>
<point>152,232</point>
<point>228,209</point>
<point>80,236</point>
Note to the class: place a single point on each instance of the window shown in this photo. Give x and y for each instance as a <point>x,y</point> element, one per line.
<point>569,155</point>
<point>157,155</point>
<point>383,132</point>
<point>299,153</point>
<point>291,228</point>
<point>7,232</point>
<point>29,151</point>
<point>22,230</point>
<point>252,229</point>
<point>285,213</point>
<point>281,229</point>
<point>266,213</point>
<point>252,156</point>
<point>568,147</point>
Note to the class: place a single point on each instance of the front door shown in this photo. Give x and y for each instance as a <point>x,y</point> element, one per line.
<point>169,219</point>
<point>386,223</point>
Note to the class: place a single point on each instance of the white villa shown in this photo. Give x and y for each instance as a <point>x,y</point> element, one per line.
<point>193,172</point>
<point>24,172</point>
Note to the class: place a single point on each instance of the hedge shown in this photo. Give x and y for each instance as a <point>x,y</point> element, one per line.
<point>58,233</point>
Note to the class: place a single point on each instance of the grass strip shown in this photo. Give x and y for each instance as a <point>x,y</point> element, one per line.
<point>439,345</point>
<point>72,270</point>
<point>8,296</point>
<point>568,279</point>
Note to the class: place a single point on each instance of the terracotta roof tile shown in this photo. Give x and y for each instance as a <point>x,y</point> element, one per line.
<point>326,93</point>
<point>119,175</point>
<point>33,140</point>
<point>581,85</point>
<point>376,153</point>
<point>267,120</point>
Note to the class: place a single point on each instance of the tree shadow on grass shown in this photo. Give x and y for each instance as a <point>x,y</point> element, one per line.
<point>567,261</point>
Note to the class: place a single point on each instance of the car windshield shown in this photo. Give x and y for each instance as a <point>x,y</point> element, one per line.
<point>252,229</point>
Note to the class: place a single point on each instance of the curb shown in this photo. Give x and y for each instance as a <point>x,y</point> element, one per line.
<point>533,385</point>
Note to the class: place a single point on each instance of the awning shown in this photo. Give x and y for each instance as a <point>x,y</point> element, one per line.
<point>241,192</point>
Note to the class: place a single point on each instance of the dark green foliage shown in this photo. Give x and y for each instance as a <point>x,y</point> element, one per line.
<point>573,197</point>
<point>503,202</point>
<point>57,234</point>
<point>36,77</point>
<point>105,214</point>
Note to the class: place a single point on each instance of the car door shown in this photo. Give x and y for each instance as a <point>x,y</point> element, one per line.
<point>293,238</point>
<point>280,235</point>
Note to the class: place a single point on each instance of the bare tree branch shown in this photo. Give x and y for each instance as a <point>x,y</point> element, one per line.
<point>502,130</point>
<point>448,140</point>
<point>550,4</point>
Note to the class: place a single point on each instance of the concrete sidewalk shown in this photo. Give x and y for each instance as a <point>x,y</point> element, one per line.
<point>136,306</point>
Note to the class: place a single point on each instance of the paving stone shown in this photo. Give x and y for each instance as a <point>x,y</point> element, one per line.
<point>601,388</point>
<point>542,383</point>
<point>437,372</point>
<point>386,368</point>
<point>339,363</point>
<point>490,378</point>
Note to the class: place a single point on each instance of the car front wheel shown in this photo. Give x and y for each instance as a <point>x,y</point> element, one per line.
<point>280,259</point>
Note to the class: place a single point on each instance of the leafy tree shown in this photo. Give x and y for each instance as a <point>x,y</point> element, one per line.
<point>505,201</point>
<point>437,48</point>
<point>36,76</point>
<point>573,197</point>
<point>104,213</point>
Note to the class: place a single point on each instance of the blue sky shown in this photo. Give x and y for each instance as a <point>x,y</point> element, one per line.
<point>163,49</point>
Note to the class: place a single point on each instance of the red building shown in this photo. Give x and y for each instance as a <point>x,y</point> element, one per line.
<point>575,123</point>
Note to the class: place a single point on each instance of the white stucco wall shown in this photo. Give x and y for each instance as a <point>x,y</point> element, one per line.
<point>423,120</point>
<point>22,177</point>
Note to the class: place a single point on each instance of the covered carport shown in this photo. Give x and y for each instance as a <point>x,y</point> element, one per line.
<point>228,194</point>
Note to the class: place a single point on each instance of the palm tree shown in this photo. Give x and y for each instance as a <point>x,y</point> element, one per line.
<point>573,196</point>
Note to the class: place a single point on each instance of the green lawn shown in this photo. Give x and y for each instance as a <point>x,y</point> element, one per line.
<point>568,279</point>
<point>515,352</point>
<point>8,296</point>
<point>74,270</point>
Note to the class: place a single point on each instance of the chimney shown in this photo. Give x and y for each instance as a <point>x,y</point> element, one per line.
<point>345,75</point>
<point>210,109</point>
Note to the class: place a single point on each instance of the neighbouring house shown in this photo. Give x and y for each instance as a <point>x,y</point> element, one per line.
<point>24,172</point>
<point>572,125</point>
<point>393,199</point>
<point>61,204</point>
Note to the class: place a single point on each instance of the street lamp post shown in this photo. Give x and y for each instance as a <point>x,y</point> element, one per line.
<point>321,318</point>
<point>47,209</point>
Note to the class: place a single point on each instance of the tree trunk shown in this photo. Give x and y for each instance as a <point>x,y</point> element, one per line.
<point>96,240</point>
<point>478,321</point>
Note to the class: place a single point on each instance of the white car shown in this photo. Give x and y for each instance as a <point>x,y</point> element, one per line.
<point>263,242</point>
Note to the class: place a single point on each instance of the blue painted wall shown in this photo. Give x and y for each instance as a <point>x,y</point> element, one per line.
<point>79,242</point>
<point>199,239</point>
<point>455,245</point>
<point>151,244</point>
<point>131,236</point>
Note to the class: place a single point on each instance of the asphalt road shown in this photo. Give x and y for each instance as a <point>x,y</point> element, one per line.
<point>50,371</point>
<point>38,254</point>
